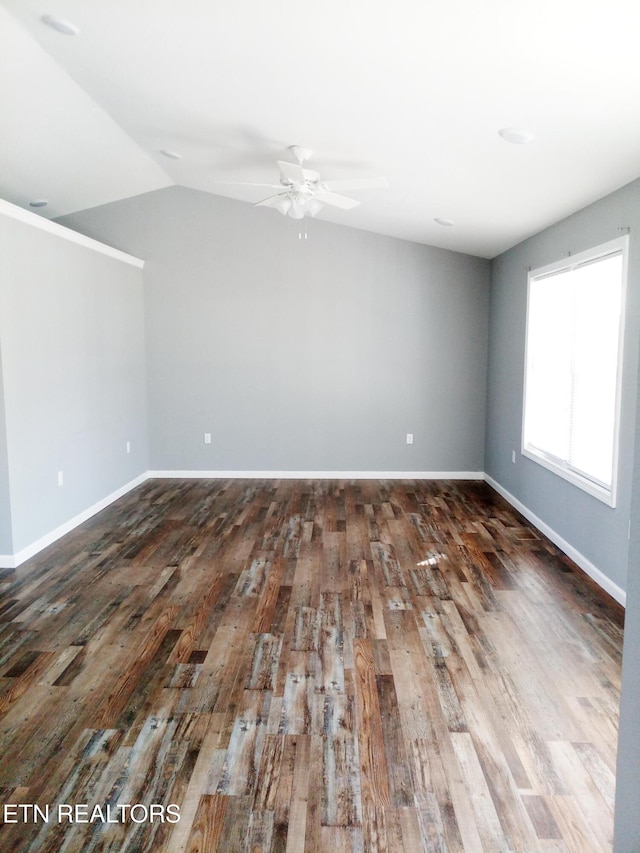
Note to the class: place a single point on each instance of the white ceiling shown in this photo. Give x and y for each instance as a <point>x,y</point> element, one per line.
<point>414,90</point>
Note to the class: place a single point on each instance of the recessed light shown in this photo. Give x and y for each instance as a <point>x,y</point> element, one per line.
<point>516,136</point>
<point>172,155</point>
<point>446,222</point>
<point>39,202</point>
<point>60,25</point>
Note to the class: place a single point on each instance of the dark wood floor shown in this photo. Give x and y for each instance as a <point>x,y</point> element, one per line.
<point>307,666</point>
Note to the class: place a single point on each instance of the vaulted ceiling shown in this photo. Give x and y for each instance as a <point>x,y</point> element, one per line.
<point>414,90</point>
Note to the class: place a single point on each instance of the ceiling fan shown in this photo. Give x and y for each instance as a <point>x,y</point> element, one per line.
<point>303,193</point>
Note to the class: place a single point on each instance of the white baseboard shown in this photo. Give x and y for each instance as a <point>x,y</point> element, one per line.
<point>318,475</point>
<point>15,560</point>
<point>12,561</point>
<point>579,559</point>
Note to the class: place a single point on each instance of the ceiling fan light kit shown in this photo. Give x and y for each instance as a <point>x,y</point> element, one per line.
<point>295,205</point>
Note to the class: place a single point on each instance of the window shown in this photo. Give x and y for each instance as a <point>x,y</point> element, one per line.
<point>575,318</point>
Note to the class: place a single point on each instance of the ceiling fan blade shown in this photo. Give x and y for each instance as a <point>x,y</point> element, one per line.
<point>336,200</point>
<point>356,184</point>
<point>248,184</point>
<point>272,201</point>
<point>296,174</point>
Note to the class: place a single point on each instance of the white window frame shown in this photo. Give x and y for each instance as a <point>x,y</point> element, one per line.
<point>608,496</point>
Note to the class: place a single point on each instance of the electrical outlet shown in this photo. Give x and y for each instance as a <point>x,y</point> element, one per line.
<point>207,438</point>
<point>513,456</point>
<point>61,478</point>
<point>128,447</point>
<point>409,438</point>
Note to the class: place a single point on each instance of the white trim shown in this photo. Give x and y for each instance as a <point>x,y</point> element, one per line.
<point>569,262</point>
<point>33,219</point>
<point>318,475</point>
<point>607,496</point>
<point>579,559</point>
<point>8,561</point>
<point>12,562</point>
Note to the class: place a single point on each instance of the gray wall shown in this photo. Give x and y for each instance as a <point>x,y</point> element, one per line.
<point>627,825</point>
<point>73,362</point>
<point>594,529</point>
<point>317,354</point>
<point>6,539</point>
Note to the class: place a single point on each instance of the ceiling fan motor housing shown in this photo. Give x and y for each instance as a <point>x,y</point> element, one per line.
<point>300,153</point>
<point>305,193</point>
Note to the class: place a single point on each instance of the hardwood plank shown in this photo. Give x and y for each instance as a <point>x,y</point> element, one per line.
<point>299,792</point>
<point>541,817</point>
<point>264,664</point>
<point>341,798</point>
<point>298,705</point>
<point>208,824</point>
<point>240,773</point>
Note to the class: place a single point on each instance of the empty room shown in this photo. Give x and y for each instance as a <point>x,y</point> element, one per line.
<point>319,500</point>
